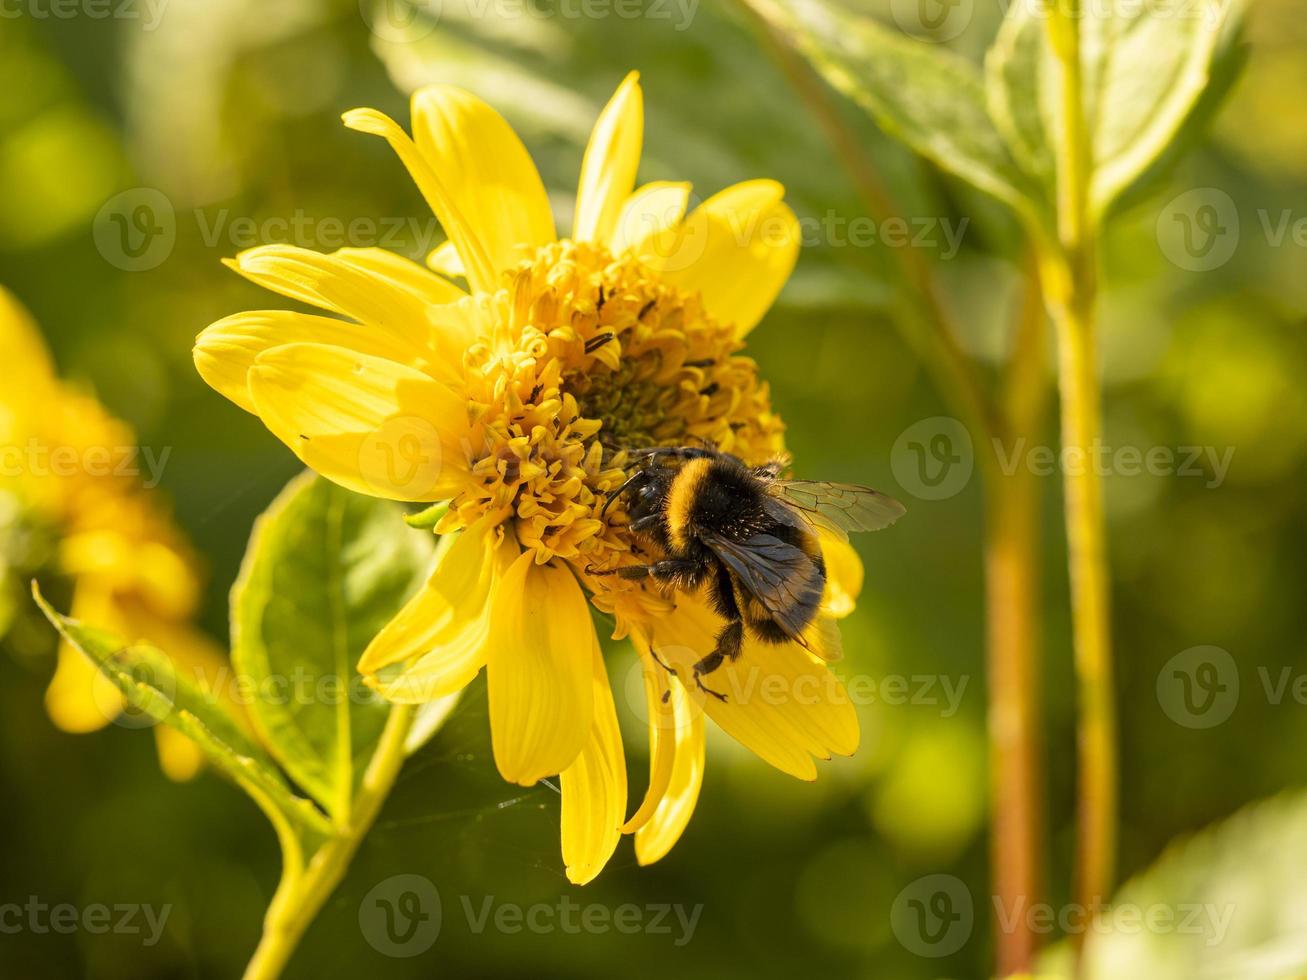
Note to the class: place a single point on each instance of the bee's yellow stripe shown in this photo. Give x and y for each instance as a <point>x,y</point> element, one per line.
<point>680,500</point>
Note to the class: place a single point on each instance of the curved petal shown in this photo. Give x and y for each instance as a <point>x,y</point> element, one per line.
<point>779,701</point>
<point>676,765</point>
<point>369,285</point>
<point>648,219</point>
<point>443,629</point>
<point>662,731</point>
<point>612,158</point>
<point>482,274</point>
<point>26,371</point>
<point>225,351</point>
<point>843,575</point>
<point>594,788</point>
<point>540,670</point>
<point>736,249</point>
<point>402,272</point>
<point>372,425</point>
<point>487,170</point>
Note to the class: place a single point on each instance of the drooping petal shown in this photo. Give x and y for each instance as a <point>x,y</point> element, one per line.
<point>444,628</point>
<point>372,425</point>
<point>179,757</point>
<point>225,351</point>
<point>481,272</point>
<point>612,158</point>
<point>843,575</point>
<point>594,788</point>
<point>736,249</point>
<point>780,702</point>
<point>676,763</point>
<point>80,698</point>
<point>648,218</point>
<point>486,169</point>
<point>539,673</point>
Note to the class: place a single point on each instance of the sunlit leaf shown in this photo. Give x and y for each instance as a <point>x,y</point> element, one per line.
<point>325,570</point>
<point>930,98</point>
<point>1227,904</point>
<point>151,685</point>
<point>1145,68</point>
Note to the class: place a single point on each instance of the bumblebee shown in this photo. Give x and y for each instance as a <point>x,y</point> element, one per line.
<point>746,536</point>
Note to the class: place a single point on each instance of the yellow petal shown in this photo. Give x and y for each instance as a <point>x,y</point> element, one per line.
<point>486,169</point>
<point>539,673</point>
<point>482,274</point>
<point>676,766</point>
<point>736,249</point>
<point>594,788</point>
<point>610,164</point>
<point>26,371</point>
<point>662,732</point>
<point>648,219</point>
<point>179,757</point>
<point>444,259</point>
<point>443,629</point>
<point>780,702</point>
<point>843,575</point>
<point>372,425</point>
<point>225,351</point>
<point>81,699</point>
<point>369,285</point>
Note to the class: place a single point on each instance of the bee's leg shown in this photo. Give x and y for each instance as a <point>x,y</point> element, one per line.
<point>668,570</point>
<point>730,641</point>
<point>646,523</point>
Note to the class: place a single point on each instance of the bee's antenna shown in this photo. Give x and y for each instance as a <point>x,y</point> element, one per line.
<point>617,493</point>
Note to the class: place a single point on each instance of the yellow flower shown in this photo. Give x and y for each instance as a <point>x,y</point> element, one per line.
<point>69,465</point>
<point>518,400</point>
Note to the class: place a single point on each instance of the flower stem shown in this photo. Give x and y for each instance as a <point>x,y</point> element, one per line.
<point>1013,621</point>
<point>303,891</point>
<point>1071,287</point>
<point>1012,514</point>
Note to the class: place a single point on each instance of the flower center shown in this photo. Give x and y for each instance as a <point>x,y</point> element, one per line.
<point>592,356</point>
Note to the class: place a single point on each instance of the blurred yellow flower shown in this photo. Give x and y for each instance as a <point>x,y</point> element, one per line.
<point>517,400</point>
<point>72,468</point>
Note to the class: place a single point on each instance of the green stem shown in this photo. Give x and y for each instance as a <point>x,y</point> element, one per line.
<point>1070,274</point>
<point>303,891</point>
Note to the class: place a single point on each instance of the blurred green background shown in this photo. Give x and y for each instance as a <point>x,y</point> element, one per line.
<point>230,109</point>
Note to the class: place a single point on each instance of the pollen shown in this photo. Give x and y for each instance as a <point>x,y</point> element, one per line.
<point>592,356</point>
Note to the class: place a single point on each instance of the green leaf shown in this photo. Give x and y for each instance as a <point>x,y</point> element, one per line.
<point>151,684</point>
<point>325,570</point>
<point>1145,68</point>
<point>1227,904</point>
<point>931,99</point>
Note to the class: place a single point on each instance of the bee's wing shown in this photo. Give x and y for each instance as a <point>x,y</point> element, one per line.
<point>838,507</point>
<point>780,576</point>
